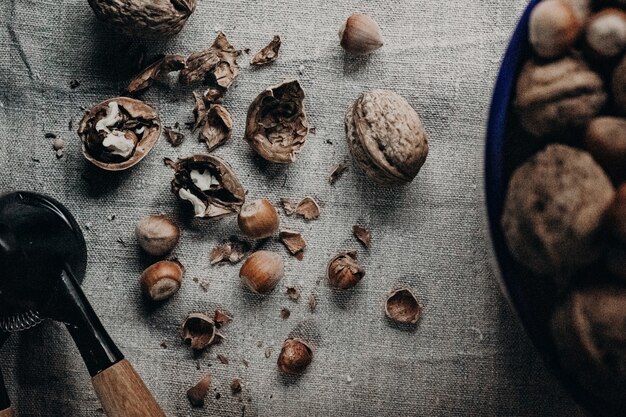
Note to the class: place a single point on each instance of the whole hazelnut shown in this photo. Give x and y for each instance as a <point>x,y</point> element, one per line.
<point>262,271</point>
<point>558,97</point>
<point>605,140</point>
<point>162,280</point>
<point>157,234</point>
<point>606,33</point>
<point>386,137</point>
<point>618,84</point>
<point>360,35</point>
<point>258,219</point>
<point>343,271</point>
<point>294,357</point>
<point>553,28</point>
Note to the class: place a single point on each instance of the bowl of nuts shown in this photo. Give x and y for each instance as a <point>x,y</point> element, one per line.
<point>555,185</point>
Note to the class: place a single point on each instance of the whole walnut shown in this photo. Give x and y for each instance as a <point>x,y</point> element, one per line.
<point>554,211</point>
<point>386,137</point>
<point>147,19</point>
<point>557,97</point>
<point>589,331</point>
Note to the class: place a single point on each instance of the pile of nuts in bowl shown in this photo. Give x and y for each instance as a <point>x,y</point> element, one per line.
<point>565,208</point>
<point>384,134</point>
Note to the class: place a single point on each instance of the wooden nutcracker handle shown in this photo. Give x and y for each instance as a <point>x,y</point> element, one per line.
<point>6,413</point>
<point>122,393</point>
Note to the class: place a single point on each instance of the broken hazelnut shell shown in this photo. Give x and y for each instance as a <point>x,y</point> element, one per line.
<point>344,271</point>
<point>277,126</point>
<point>360,35</point>
<point>162,280</point>
<point>198,330</point>
<point>402,306</point>
<point>262,271</point>
<point>258,219</point>
<point>158,235</point>
<point>294,357</point>
<point>198,392</point>
<point>137,110</point>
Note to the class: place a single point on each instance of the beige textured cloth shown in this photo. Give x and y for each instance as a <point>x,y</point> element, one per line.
<point>468,356</point>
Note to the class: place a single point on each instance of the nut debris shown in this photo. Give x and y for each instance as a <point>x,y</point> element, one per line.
<point>337,172</point>
<point>235,386</point>
<point>293,293</point>
<point>402,306</point>
<point>312,302</point>
<point>268,54</point>
<point>223,359</point>
<point>285,313</point>
<point>221,318</point>
<point>268,352</point>
<point>173,136</point>
<point>215,66</point>
<point>198,392</point>
<point>232,250</point>
<point>362,234</point>
<point>289,207</point>
<point>198,330</point>
<point>217,127</point>
<point>293,241</point>
<point>308,208</point>
<point>199,112</point>
<point>165,65</point>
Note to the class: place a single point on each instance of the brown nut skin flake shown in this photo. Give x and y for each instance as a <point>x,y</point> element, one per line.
<point>277,125</point>
<point>588,330</point>
<point>216,66</point>
<point>146,19</point>
<point>344,271</point>
<point>557,97</point>
<point>268,54</point>
<point>118,133</point>
<point>198,330</point>
<point>167,64</point>
<point>402,306</point>
<point>295,356</point>
<point>386,137</point>
<point>209,184</point>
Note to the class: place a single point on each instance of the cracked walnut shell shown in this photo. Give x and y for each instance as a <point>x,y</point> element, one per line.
<point>147,19</point>
<point>277,125</point>
<point>386,137</point>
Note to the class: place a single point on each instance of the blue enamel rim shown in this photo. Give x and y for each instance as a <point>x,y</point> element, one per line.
<point>495,189</point>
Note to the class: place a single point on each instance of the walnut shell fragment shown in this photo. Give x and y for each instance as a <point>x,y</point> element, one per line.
<point>174,136</point>
<point>167,64</point>
<point>362,234</point>
<point>198,392</point>
<point>209,184</point>
<point>344,271</point>
<point>118,133</point>
<point>199,112</point>
<point>198,330</point>
<point>277,125</point>
<point>289,207</point>
<point>147,19</point>
<point>308,209</point>
<point>402,306</point>
<point>268,54</point>
<point>293,241</point>
<point>215,66</point>
<point>386,137</point>
<point>217,128</point>
<point>232,250</point>
<point>337,172</point>
<point>295,356</point>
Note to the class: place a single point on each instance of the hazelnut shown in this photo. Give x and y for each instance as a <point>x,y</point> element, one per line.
<point>162,280</point>
<point>558,97</point>
<point>258,219</point>
<point>343,271</point>
<point>616,215</point>
<point>262,271</point>
<point>553,28</point>
<point>360,35</point>
<point>554,211</point>
<point>402,306</point>
<point>619,86</point>
<point>157,234</point>
<point>118,133</point>
<point>294,357</point>
<point>199,330</point>
<point>606,142</point>
<point>386,137</point>
<point>154,19</point>
<point>606,33</point>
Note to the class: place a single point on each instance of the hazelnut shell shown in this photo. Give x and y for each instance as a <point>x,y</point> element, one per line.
<point>198,330</point>
<point>162,280</point>
<point>402,306</point>
<point>295,356</point>
<point>360,35</point>
<point>262,271</point>
<point>158,235</point>
<point>344,271</point>
<point>258,219</point>
<point>137,109</point>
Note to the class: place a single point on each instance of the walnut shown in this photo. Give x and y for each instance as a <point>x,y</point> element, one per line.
<point>118,133</point>
<point>209,184</point>
<point>216,66</point>
<point>277,125</point>
<point>554,210</point>
<point>148,19</point>
<point>558,97</point>
<point>588,330</point>
<point>386,137</point>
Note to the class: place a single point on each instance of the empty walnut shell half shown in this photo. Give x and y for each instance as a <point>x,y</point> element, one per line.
<point>198,330</point>
<point>344,271</point>
<point>294,357</point>
<point>402,306</point>
<point>277,125</point>
<point>147,19</point>
<point>118,133</point>
<point>386,137</point>
<point>209,184</point>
